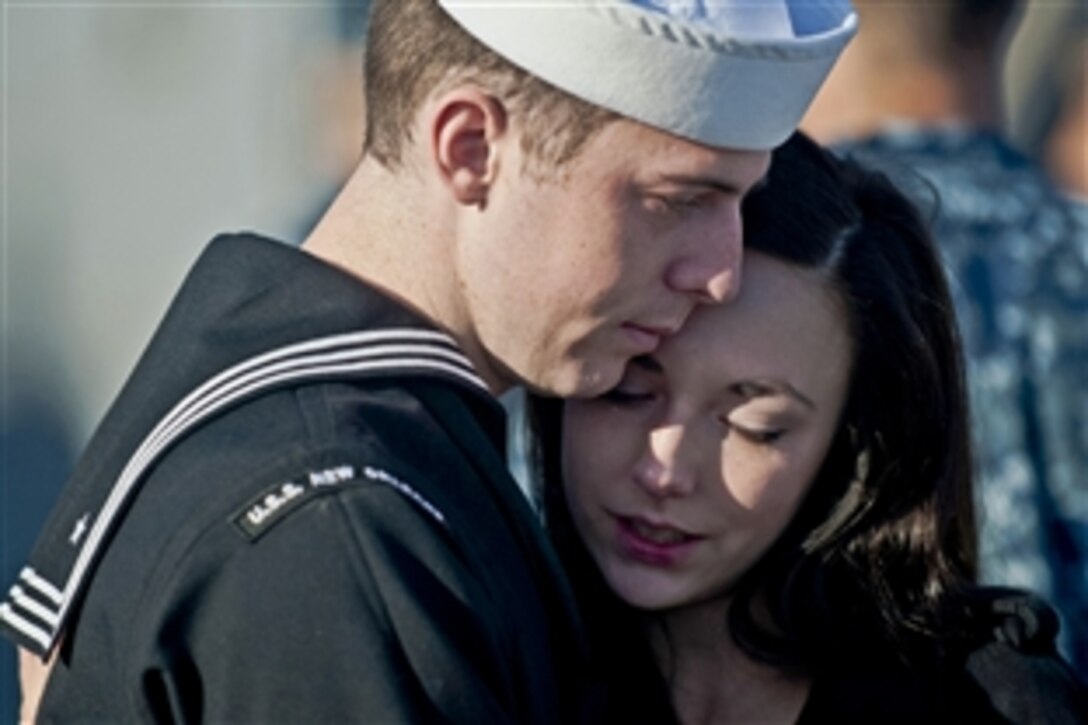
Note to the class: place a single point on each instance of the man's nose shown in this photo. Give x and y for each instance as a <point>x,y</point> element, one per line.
<point>709,268</point>
<point>663,469</point>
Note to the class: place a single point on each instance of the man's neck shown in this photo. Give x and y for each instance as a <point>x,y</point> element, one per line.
<point>386,229</point>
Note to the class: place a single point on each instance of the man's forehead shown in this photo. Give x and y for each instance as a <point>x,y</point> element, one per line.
<point>684,162</point>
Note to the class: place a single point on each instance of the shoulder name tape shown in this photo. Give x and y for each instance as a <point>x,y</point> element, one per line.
<point>280,499</point>
<point>277,501</point>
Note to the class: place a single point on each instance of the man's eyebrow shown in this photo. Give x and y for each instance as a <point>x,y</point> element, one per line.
<point>709,182</point>
<point>763,387</point>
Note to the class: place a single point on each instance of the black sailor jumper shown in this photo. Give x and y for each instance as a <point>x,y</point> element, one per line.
<point>298,510</point>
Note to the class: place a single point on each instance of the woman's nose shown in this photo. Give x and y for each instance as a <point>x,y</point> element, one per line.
<point>662,469</point>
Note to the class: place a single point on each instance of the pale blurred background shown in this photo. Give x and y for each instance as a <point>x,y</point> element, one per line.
<point>132,133</point>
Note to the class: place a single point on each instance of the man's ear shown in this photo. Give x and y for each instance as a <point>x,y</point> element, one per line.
<point>465,130</point>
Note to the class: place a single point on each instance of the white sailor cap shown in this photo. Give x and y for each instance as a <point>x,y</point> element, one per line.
<point>727,73</point>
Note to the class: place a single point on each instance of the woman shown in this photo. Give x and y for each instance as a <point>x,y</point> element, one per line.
<point>770,519</point>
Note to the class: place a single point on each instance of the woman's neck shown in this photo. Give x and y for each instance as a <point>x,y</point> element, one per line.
<point>711,679</point>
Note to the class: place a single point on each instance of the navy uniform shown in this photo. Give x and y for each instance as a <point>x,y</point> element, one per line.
<point>298,510</point>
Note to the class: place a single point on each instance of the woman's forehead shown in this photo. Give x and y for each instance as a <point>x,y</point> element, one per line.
<point>785,323</point>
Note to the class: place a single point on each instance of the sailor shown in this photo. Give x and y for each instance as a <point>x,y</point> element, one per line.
<point>298,507</point>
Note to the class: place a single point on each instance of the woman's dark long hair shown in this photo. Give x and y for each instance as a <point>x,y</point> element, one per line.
<point>880,557</point>
<point>884,547</point>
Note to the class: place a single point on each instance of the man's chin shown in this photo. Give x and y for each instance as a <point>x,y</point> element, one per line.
<point>589,381</point>
<point>575,378</point>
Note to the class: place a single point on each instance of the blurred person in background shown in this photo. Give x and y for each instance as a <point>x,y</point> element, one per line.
<point>297,508</point>
<point>117,175</point>
<point>35,446</point>
<point>918,94</point>
<point>1066,143</point>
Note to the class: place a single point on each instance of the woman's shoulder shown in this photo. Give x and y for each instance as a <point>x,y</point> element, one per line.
<point>1011,663</point>
<point>1000,665</point>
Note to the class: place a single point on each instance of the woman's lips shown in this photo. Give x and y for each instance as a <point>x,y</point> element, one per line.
<point>654,544</point>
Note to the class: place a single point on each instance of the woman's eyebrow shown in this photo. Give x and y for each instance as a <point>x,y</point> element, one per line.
<point>764,387</point>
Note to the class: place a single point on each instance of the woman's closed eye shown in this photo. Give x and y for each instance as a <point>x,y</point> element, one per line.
<point>759,435</point>
<point>641,383</point>
<point>761,432</point>
<point>621,395</point>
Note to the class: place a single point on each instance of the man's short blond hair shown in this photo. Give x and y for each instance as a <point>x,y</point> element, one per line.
<point>415,49</point>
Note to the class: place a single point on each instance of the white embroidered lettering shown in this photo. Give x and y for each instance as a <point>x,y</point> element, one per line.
<point>273,502</point>
<point>377,474</point>
<point>332,476</point>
